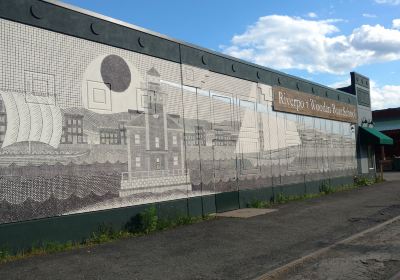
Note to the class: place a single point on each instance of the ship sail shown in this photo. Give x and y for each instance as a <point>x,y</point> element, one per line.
<point>31,121</point>
<point>248,138</point>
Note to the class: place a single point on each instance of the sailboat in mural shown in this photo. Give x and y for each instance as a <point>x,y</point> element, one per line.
<point>248,142</point>
<point>36,121</point>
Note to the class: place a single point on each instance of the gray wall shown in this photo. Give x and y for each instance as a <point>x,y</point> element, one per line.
<point>74,108</point>
<point>361,88</point>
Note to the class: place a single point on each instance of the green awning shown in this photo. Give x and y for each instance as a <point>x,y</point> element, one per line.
<point>373,136</point>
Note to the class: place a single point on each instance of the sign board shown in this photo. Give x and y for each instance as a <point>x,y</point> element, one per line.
<point>293,101</point>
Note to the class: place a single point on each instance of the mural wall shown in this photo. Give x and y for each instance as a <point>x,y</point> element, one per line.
<point>86,126</point>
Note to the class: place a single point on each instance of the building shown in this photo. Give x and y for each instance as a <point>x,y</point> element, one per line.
<point>387,121</point>
<point>123,116</point>
<point>155,145</point>
<point>369,139</point>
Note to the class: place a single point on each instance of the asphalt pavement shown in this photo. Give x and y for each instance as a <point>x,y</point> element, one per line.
<point>374,256</point>
<point>223,248</point>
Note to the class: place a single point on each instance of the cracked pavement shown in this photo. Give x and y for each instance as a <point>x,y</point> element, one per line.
<point>373,256</point>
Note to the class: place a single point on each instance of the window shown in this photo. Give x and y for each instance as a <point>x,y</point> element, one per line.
<point>110,137</point>
<point>137,161</point>
<point>72,131</point>
<point>158,164</point>
<point>122,133</point>
<point>370,157</point>
<point>3,121</point>
<point>38,84</point>
<point>137,139</point>
<point>174,140</point>
<point>2,106</point>
<point>157,141</point>
<point>175,160</point>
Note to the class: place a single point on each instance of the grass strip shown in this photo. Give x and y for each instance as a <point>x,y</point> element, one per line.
<point>144,223</point>
<point>325,189</point>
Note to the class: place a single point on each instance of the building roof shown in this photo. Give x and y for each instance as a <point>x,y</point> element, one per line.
<point>94,121</point>
<point>173,123</point>
<point>390,113</point>
<point>387,125</point>
<point>153,72</point>
<point>387,119</point>
<point>138,120</point>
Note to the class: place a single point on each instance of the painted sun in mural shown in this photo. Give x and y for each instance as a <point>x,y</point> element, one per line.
<point>110,84</point>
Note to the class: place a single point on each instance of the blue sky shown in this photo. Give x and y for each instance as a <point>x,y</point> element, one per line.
<point>318,40</point>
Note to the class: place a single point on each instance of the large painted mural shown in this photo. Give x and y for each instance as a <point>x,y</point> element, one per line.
<point>86,127</point>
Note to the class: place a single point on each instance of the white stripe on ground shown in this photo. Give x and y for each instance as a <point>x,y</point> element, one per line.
<point>274,274</point>
<point>396,277</point>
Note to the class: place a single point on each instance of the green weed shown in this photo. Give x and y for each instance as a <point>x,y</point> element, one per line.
<point>259,204</point>
<point>143,223</point>
<point>363,181</point>
<point>325,189</point>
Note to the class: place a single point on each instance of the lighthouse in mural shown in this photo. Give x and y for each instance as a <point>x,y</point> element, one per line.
<point>155,143</point>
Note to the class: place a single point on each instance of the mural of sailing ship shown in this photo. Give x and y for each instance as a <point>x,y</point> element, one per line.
<point>36,121</point>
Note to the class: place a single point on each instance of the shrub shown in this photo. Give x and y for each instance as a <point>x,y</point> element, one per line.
<point>363,181</point>
<point>144,222</point>
<point>326,188</point>
<point>259,204</point>
<point>4,254</point>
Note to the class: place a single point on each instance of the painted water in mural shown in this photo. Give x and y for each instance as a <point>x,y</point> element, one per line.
<point>86,127</point>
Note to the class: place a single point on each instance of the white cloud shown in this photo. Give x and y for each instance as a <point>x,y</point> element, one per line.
<point>286,42</point>
<point>340,84</point>
<point>390,2</point>
<point>369,15</point>
<point>384,43</point>
<point>396,23</point>
<point>312,15</point>
<point>382,97</point>
<point>387,96</point>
